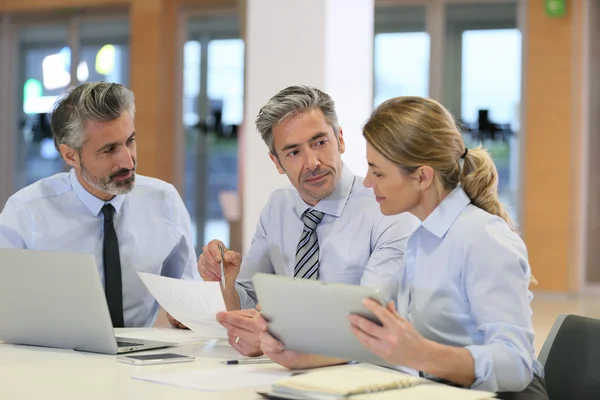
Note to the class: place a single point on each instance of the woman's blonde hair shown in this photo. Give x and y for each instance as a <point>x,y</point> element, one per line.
<point>414,131</point>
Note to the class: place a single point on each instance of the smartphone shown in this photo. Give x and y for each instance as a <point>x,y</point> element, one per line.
<point>149,359</point>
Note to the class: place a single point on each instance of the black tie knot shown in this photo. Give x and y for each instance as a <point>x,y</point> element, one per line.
<point>109,212</point>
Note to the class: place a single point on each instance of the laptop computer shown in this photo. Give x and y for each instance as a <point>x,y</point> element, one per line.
<point>56,299</point>
<point>311,316</point>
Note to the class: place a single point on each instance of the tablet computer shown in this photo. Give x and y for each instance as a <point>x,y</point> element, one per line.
<point>311,316</point>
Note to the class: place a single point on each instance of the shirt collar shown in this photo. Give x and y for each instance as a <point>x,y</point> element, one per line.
<point>93,203</point>
<point>444,215</point>
<point>334,204</point>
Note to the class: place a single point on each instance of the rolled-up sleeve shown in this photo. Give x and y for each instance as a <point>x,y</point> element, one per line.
<point>388,244</point>
<point>182,262</point>
<point>256,260</point>
<point>496,284</point>
<point>14,226</point>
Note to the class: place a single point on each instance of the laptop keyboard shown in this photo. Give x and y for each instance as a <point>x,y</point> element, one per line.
<point>127,344</point>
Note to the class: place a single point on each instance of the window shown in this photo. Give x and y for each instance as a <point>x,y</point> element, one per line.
<point>401,65</point>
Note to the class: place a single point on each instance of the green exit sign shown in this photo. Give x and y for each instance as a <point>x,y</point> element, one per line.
<point>556,8</point>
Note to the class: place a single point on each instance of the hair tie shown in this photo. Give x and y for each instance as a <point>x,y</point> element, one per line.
<point>465,153</point>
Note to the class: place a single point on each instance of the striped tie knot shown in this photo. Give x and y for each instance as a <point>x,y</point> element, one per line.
<point>307,252</point>
<point>311,219</point>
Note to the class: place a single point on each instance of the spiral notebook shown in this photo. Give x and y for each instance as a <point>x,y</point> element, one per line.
<point>365,381</point>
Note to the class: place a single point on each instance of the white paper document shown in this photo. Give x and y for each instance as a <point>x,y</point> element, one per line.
<point>193,303</point>
<point>171,335</point>
<point>220,379</point>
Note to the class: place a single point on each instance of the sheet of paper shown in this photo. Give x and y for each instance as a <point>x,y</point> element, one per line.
<point>193,303</point>
<point>171,335</point>
<point>428,392</point>
<point>220,379</point>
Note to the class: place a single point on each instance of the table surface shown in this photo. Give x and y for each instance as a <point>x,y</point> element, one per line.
<point>28,372</point>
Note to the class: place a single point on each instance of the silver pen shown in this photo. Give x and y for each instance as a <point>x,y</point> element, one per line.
<point>222,266</point>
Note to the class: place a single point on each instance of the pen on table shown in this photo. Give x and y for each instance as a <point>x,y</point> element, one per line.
<point>249,361</point>
<point>222,266</point>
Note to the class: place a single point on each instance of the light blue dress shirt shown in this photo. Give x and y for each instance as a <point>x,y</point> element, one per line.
<point>357,244</point>
<point>465,283</point>
<point>153,228</point>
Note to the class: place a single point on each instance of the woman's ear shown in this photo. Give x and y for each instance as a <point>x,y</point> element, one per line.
<point>425,175</point>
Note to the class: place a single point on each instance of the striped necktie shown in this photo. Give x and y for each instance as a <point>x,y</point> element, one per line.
<point>307,252</point>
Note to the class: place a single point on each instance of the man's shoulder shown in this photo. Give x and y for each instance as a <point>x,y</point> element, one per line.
<point>360,191</point>
<point>44,188</point>
<point>364,198</point>
<point>145,184</point>
<point>283,194</point>
<point>280,203</point>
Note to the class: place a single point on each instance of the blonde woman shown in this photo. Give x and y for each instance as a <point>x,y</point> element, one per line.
<point>462,312</point>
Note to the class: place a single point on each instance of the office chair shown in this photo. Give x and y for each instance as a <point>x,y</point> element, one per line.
<point>571,358</point>
<point>487,128</point>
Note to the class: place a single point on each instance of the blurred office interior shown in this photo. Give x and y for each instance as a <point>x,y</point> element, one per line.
<point>518,75</point>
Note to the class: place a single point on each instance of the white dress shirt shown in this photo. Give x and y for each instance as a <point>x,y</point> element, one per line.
<point>465,283</point>
<point>357,244</point>
<point>152,224</point>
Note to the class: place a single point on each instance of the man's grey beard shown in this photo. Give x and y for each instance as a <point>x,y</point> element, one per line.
<point>107,184</point>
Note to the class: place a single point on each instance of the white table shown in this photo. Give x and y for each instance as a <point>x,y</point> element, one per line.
<point>39,373</point>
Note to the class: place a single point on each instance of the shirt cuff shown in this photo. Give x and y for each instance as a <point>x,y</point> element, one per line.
<point>246,301</point>
<point>484,368</point>
<point>406,370</point>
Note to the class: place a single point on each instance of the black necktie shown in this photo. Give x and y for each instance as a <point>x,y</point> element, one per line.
<point>112,268</point>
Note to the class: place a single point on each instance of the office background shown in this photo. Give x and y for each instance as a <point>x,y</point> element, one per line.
<point>519,75</point>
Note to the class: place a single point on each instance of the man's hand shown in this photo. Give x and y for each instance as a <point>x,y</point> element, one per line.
<point>175,323</point>
<point>243,327</point>
<point>274,349</point>
<point>209,263</point>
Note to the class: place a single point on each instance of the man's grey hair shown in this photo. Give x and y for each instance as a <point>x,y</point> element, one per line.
<point>92,101</point>
<point>289,102</point>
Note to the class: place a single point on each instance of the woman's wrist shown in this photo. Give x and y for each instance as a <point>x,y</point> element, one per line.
<point>454,364</point>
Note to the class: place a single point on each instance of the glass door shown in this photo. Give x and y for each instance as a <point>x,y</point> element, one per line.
<point>483,75</point>
<point>213,89</point>
<point>99,51</point>
<point>104,51</point>
<point>401,53</point>
<point>44,73</point>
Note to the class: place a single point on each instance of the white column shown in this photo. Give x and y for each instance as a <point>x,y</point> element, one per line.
<point>75,46</point>
<point>323,43</point>
<point>435,22</point>
<point>8,126</point>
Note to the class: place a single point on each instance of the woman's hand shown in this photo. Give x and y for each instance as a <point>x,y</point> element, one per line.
<point>397,341</point>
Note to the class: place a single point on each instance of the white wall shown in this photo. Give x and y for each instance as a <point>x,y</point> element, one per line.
<point>323,43</point>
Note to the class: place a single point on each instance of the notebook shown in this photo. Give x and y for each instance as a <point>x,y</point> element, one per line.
<point>363,381</point>
<point>434,391</point>
<point>342,381</point>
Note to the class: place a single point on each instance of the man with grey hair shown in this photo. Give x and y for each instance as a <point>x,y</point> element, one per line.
<point>328,226</point>
<point>129,222</point>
